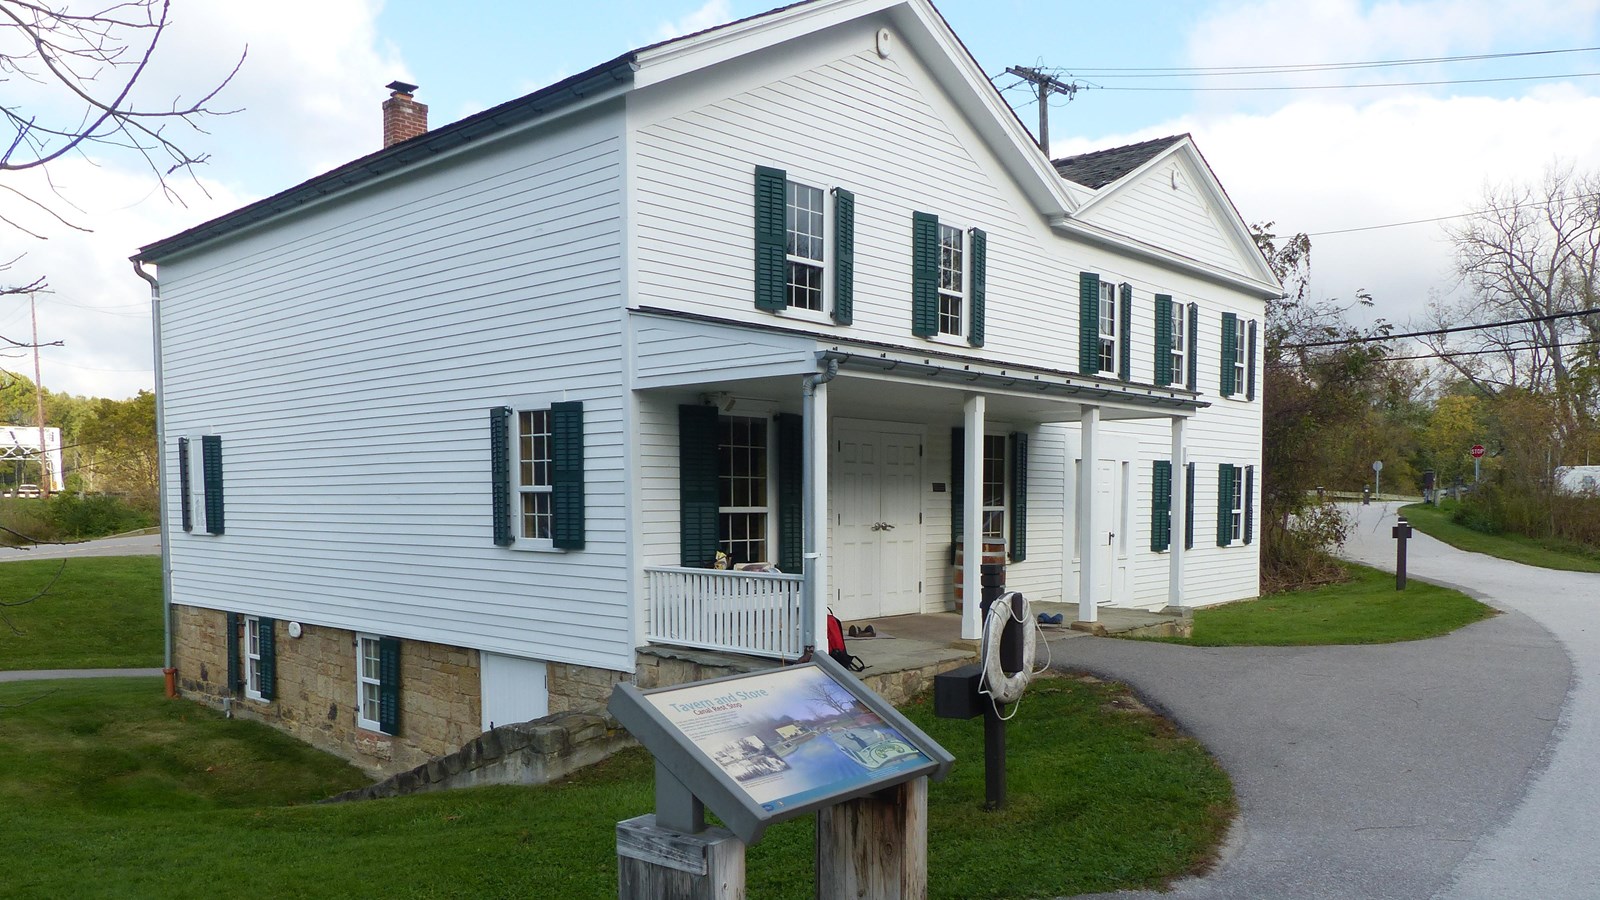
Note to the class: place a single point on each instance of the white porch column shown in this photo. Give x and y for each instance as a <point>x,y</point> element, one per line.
<point>1179,506</point>
<point>1088,524</point>
<point>972,516</point>
<point>814,486</point>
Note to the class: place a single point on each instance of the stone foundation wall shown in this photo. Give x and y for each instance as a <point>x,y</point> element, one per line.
<point>317,690</point>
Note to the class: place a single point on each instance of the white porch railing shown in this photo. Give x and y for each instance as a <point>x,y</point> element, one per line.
<point>755,613</point>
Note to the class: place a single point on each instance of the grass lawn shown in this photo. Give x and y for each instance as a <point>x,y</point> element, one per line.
<point>109,790</point>
<point>1547,554</point>
<point>1365,610</point>
<point>103,612</point>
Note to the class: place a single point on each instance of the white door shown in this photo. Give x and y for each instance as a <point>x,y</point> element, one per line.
<point>511,689</point>
<point>1105,513</point>
<point>877,528</point>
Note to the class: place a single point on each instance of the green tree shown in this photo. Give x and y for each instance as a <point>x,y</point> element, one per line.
<point>1322,385</point>
<point>120,444</point>
<point>1455,426</point>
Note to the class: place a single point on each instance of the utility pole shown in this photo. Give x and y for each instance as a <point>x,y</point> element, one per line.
<point>38,399</point>
<point>1044,85</point>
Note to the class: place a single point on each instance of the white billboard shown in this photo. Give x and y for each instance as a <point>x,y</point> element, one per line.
<point>22,442</point>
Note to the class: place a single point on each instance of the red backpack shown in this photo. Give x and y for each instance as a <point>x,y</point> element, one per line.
<point>836,646</point>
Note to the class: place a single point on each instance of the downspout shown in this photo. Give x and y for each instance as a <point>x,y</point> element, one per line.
<point>167,668</point>
<point>815,435</point>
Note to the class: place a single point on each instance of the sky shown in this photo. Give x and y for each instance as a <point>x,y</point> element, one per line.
<point>1339,149</point>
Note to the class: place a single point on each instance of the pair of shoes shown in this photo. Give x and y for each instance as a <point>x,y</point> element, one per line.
<point>1048,619</point>
<point>866,631</point>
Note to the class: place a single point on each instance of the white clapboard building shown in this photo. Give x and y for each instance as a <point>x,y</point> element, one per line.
<point>456,429</point>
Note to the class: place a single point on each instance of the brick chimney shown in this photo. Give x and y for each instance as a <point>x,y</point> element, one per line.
<point>403,117</point>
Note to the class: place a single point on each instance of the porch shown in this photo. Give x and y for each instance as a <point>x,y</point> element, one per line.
<point>856,472</point>
<point>908,651</point>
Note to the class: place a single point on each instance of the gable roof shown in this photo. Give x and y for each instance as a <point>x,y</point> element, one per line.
<point>925,28</point>
<point>1098,168</point>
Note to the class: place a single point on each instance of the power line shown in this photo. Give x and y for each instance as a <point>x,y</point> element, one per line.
<point>1350,87</point>
<point>1462,215</point>
<point>1295,364</point>
<point>1344,342</point>
<point>1291,68</point>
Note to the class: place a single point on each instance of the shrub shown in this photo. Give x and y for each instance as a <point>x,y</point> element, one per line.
<point>69,517</point>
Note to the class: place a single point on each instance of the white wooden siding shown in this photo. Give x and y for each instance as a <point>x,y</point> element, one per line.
<point>349,357</point>
<point>1164,207</point>
<point>882,129</point>
<point>669,353</point>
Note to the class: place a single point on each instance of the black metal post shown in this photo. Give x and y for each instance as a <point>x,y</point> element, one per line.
<point>1401,531</point>
<point>994,727</point>
<point>994,758</point>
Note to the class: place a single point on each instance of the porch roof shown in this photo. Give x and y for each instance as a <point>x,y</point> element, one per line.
<point>676,349</point>
<point>1041,394</point>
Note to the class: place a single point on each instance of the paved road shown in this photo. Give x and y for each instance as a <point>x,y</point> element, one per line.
<point>1436,768</point>
<point>44,674</point>
<point>138,545</point>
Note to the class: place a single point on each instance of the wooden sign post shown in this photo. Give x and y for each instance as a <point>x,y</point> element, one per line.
<point>766,747</point>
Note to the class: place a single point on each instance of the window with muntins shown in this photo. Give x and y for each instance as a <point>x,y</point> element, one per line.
<point>1237,516</point>
<point>535,461</point>
<point>1240,345</point>
<point>369,683</point>
<point>1109,328</point>
<point>952,283</point>
<point>803,216</point>
<point>994,487</point>
<point>743,504</point>
<point>1180,343</point>
<point>252,658</point>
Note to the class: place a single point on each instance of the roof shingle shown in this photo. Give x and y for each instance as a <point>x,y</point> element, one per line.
<point>1101,167</point>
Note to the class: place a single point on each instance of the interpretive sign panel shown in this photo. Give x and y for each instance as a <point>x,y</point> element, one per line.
<point>764,747</point>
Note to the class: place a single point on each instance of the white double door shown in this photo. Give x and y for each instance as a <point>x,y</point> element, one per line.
<point>877,519</point>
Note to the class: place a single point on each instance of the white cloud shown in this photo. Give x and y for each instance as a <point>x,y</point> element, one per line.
<point>714,12</point>
<point>1321,31</point>
<point>309,92</point>
<point>1323,165</point>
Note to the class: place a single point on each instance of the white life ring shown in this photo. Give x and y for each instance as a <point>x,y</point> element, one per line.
<point>1003,688</point>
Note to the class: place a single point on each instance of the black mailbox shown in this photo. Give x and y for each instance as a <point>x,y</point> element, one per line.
<point>955,693</point>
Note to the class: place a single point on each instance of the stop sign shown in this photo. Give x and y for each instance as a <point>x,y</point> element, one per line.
<point>1477,451</point>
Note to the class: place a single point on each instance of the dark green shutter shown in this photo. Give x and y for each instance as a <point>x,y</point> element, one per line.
<point>1250,365</point>
<point>791,493</point>
<point>1088,323</point>
<point>1249,499</point>
<point>231,638</point>
<point>500,474</point>
<point>978,275</point>
<point>1125,335</point>
<point>1019,496</point>
<point>268,673</point>
<point>1224,505</point>
<point>698,498</point>
<point>844,257</point>
<point>958,478</point>
<point>1230,352</point>
<point>1163,370</point>
<point>211,470</point>
<point>924,274</point>
<point>1188,507</point>
<point>389,685</point>
<point>566,474</point>
<point>1161,505</point>
<point>185,502</point>
<point>772,260</point>
<point>1193,359</point>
